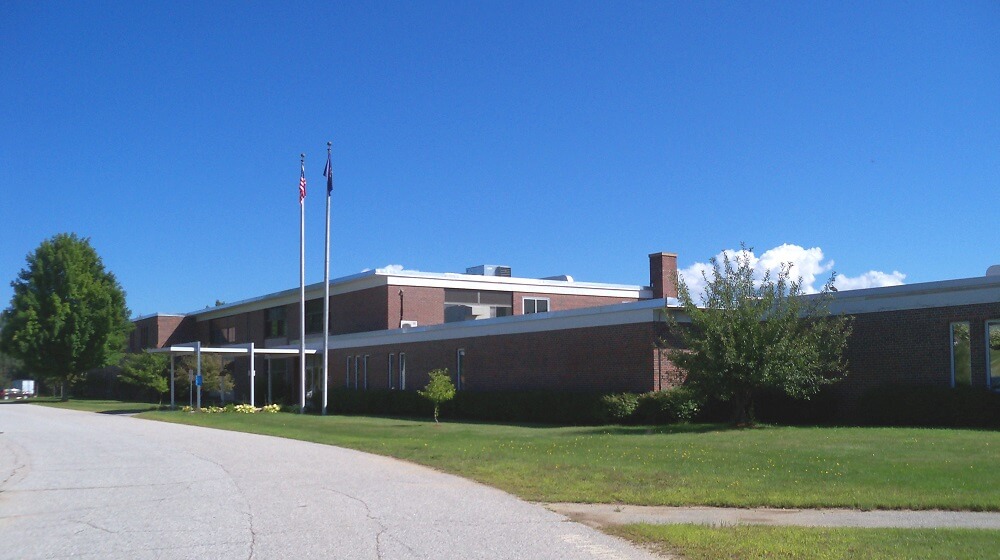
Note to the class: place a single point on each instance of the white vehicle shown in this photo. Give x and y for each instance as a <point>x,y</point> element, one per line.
<point>25,386</point>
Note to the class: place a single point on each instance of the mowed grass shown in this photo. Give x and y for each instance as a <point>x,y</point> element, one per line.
<point>755,542</point>
<point>865,468</point>
<point>94,405</point>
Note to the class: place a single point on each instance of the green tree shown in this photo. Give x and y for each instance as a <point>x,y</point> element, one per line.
<point>10,367</point>
<point>439,390</point>
<point>214,376</point>
<point>146,371</point>
<point>750,336</point>
<point>67,315</point>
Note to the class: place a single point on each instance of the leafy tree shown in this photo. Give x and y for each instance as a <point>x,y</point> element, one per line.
<point>439,390</point>
<point>68,314</point>
<point>214,376</point>
<point>750,336</point>
<point>146,371</point>
<point>10,367</point>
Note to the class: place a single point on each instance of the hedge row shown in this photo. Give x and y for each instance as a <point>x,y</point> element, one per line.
<point>541,407</point>
<point>884,406</point>
<point>920,405</point>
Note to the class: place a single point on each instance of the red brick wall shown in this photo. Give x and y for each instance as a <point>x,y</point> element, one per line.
<point>161,331</point>
<point>913,346</point>
<point>360,311</point>
<point>619,358</point>
<point>175,330</point>
<point>423,305</point>
<point>563,302</point>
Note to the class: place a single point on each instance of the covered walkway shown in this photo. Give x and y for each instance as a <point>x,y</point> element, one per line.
<point>196,349</point>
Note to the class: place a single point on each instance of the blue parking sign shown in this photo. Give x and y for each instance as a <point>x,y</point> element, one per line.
<point>197,380</point>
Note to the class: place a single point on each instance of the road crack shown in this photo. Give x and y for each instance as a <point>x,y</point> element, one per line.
<point>383,529</point>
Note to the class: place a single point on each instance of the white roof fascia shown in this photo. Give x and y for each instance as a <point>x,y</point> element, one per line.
<point>375,278</point>
<point>646,311</point>
<point>151,315</point>
<point>947,293</point>
<point>498,283</point>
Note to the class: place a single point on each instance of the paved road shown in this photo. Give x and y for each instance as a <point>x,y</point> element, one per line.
<point>600,515</point>
<point>85,485</point>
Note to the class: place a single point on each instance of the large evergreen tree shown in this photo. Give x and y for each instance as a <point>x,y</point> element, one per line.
<point>750,335</point>
<point>68,314</point>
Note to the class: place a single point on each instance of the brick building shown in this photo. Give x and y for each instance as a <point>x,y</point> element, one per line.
<point>494,331</point>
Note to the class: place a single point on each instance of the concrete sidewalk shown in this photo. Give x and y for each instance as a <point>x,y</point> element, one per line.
<point>600,515</point>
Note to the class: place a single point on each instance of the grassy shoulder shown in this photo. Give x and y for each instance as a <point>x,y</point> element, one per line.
<point>88,405</point>
<point>754,542</point>
<point>865,468</point>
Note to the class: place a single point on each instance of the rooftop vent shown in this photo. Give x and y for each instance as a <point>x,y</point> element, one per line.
<point>489,270</point>
<point>993,270</point>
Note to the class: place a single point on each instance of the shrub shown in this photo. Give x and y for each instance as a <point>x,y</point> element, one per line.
<point>620,407</point>
<point>271,408</point>
<point>243,409</point>
<point>925,405</point>
<point>677,404</point>
<point>439,390</point>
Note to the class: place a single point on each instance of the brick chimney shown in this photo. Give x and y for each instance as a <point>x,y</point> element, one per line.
<point>663,274</point>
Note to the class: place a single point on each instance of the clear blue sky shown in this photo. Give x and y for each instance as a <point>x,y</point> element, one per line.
<point>554,137</point>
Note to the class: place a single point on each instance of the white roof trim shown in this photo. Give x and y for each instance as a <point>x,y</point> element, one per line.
<point>151,315</point>
<point>965,291</point>
<point>646,311</point>
<point>375,278</point>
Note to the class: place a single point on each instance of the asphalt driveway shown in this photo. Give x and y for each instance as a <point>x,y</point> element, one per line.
<point>86,485</point>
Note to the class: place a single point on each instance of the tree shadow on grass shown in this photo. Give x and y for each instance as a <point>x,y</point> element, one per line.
<point>128,411</point>
<point>659,430</point>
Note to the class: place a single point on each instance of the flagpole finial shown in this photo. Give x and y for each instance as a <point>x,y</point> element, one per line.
<point>328,144</point>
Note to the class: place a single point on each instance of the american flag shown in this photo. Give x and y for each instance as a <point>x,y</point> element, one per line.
<point>302,185</point>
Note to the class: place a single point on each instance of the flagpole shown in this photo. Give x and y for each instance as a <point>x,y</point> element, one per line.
<point>326,280</point>
<point>302,284</point>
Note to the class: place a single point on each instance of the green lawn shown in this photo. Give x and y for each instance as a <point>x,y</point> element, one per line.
<point>867,468</point>
<point>696,542</point>
<point>109,406</point>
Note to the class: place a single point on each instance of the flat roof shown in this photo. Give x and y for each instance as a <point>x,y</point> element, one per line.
<point>383,277</point>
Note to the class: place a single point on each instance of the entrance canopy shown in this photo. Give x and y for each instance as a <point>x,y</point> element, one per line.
<point>196,349</point>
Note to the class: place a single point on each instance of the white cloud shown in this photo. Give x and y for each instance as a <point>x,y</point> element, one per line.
<point>808,264</point>
<point>392,269</point>
<point>870,279</point>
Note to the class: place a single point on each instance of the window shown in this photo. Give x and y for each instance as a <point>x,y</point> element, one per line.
<point>314,316</point>
<point>536,305</point>
<point>465,305</point>
<point>356,360</point>
<point>993,353</point>
<point>460,368</point>
<point>961,355</point>
<point>221,334</point>
<point>402,371</point>
<point>391,360</point>
<point>365,366</point>
<point>347,374</point>
<point>274,323</point>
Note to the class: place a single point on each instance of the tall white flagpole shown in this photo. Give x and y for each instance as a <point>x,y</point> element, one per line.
<point>302,284</point>
<point>328,173</point>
